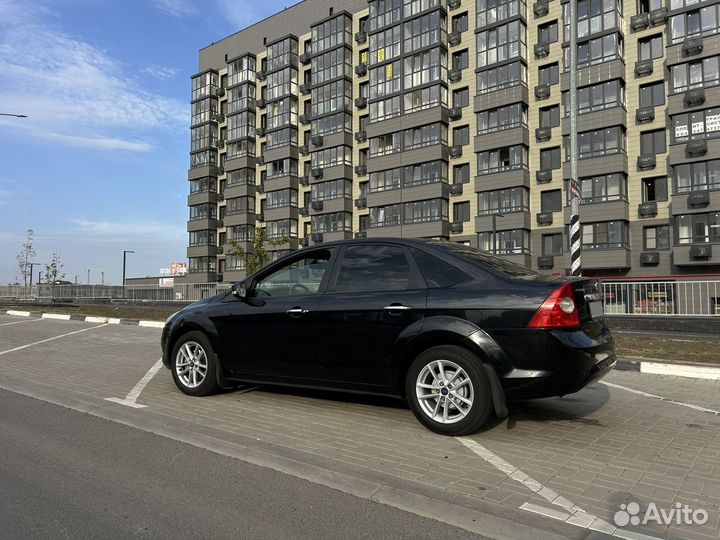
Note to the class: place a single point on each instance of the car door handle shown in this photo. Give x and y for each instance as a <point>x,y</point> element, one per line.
<point>396,309</point>
<point>297,312</point>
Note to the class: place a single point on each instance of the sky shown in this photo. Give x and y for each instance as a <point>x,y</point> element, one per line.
<point>100,164</point>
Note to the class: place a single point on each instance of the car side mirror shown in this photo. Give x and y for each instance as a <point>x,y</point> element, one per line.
<point>239,290</point>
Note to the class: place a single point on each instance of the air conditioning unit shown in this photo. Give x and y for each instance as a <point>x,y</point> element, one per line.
<point>542,91</point>
<point>698,198</point>
<point>543,134</point>
<point>544,218</point>
<point>649,258</point>
<point>316,140</point>
<point>317,206</point>
<point>540,9</point>
<point>546,262</point>
<point>647,209</point>
<point>644,115</point>
<point>639,22</point>
<point>361,102</point>
<point>643,68</point>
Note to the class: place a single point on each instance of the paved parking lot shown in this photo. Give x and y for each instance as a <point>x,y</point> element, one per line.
<point>563,466</point>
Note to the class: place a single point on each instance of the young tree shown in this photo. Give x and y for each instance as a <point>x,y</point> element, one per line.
<point>53,270</point>
<point>25,255</point>
<point>258,257</point>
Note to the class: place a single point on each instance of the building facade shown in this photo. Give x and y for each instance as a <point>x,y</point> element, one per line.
<point>449,119</point>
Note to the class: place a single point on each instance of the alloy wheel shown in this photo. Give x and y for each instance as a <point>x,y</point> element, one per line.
<point>191,364</point>
<point>444,391</point>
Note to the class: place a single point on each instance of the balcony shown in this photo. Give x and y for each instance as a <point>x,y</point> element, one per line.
<point>455,151</point>
<point>646,162</point>
<point>544,218</point>
<point>454,38</point>
<point>546,262</point>
<point>645,115</point>
<point>361,102</point>
<point>316,140</point>
<point>361,136</point>
<point>647,209</point>
<point>316,172</point>
<point>456,189</point>
<point>541,50</point>
<point>543,134</point>
<point>696,148</point>
<point>542,91</point>
<point>694,97</point>
<point>304,58</point>
<point>455,113</point>
<point>543,176</point>
<point>361,69</point>
<point>361,203</point>
<point>456,227</point>
<point>698,199</point>
<point>304,88</point>
<point>658,16</point>
<point>639,22</point>
<point>304,119</point>
<point>649,258</point>
<point>692,45</point>
<point>361,37</point>
<point>643,68</point>
<point>454,75</point>
<point>361,170</point>
<point>541,8</point>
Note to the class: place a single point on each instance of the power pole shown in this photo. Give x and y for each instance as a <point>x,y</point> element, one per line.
<point>575,243</point>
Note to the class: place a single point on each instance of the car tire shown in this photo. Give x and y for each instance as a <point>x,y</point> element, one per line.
<point>194,366</point>
<point>448,390</point>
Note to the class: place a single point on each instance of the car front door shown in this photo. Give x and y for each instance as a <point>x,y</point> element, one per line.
<point>270,333</point>
<point>375,298</point>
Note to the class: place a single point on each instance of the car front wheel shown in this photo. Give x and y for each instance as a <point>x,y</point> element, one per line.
<point>193,365</point>
<point>448,390</point>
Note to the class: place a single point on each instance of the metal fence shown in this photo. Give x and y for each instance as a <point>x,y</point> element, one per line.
<point>687,298</point>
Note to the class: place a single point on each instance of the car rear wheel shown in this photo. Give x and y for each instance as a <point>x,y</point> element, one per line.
<point>448,390</point>
<point>193,365</point>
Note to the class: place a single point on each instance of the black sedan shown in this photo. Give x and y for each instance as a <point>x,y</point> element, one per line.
<point>453,330</point>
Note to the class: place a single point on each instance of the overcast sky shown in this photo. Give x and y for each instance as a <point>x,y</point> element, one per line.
<point>101,163</point>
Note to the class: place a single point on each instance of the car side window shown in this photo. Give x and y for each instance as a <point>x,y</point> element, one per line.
<point>299,277</point>
<point>437,273</point>
<point>373,268</point>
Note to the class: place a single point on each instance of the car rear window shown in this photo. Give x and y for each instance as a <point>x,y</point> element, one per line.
<point>437,273</point>
<point>492,262</point>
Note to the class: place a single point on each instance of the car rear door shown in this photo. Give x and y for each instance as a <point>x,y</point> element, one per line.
<point>375,299</point>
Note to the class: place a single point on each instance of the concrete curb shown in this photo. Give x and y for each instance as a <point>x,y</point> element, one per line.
<point>656,367</point>
<point>83,318</point>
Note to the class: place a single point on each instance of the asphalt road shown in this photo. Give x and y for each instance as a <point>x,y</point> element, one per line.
<point>66,474</point>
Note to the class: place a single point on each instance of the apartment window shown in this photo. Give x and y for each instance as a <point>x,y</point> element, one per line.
<point>605,235</point>
<point>424,31</point>
<point>426,211</point>
<point>460,60</point>
<point>331,97</point>
<point>697,228</point>
<point>204,158</point>
<point>655,189</point>
<point>330,157</point>
<point>461,212</point>
<point>593,16</point>
<point>384,216</point>
<point>461,98</point>
<point>550,116</point>
<point>202,238</point>
<point>281,113</point>
<point>281,199</point>
<point>203,136</point>
<point>240,126</point>
<point>646,6</point>
<point>202,185</point>
<point>599,143</point>
<point>240,98</point>
<point>702,21</point>
<point>204,85</point>
<point>501,43</point>
<point>596,51</point>
<point>242,233</point>
<point>384,109</point>
<point>652,95</point>
<point>281,138</point>
<point>657,237</point>
<point>281,228</point>
<point>461,174</point>
<point>281,54</point>
<point>424,68</point>
<point>202,111</point>
<point>202,211</point>
<point>281,167</point>
<point>551,201</point>
<point>334,189</point>
<point>514,242</point>
<point>650,48</point>
<point>697,176</point>
<point>507,117</point>
<point>552,244</point>
<point>331,33</point>
<point>384,13</point>
<point>607,187</point>
<point>240,205</point>
<point>549,74</point>
<point>334,222</point>
<point>460,22</point>
<point>503,159</point>
<point>385,180</point>
<point>696,74</point>
<point>385,45</point>
<point>385,79</point>
<point>501,77</point>
<point>281,83</point>
<point>493,11</point>
<point>652,142</point>
<point>548,33</point>
<point>598,97</point>
<point>425,173</point>
<point>696,125</point>
<point>201,264</point>
<point>550,159</point>
<point>424,136</point>
<point>503,200</point>
<point>326,125</point>
<point>461,136</point>
<point>424,98</point>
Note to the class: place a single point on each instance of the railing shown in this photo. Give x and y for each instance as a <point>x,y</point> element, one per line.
<point>684,298</point>
<point>185,292</point>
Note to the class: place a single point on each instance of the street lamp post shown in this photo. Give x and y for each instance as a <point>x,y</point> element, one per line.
<point>494,231</point>
<point>125,252</point>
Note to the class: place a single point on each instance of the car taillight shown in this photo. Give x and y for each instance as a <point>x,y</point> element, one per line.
<point>558,310</point>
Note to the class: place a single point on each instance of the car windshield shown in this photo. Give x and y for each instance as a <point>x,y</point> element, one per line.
<point>493,262</point>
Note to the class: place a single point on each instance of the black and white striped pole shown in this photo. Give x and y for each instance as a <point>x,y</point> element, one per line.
<point>574,186</point>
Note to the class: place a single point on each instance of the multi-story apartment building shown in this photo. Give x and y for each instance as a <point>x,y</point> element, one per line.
<point>449,119</point>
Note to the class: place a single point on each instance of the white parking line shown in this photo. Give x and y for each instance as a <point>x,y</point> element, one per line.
<point>661,398</point>
<point>131,399</point>
<point>50,339</point>
<point>18,322</point>
<point>570,514</point>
